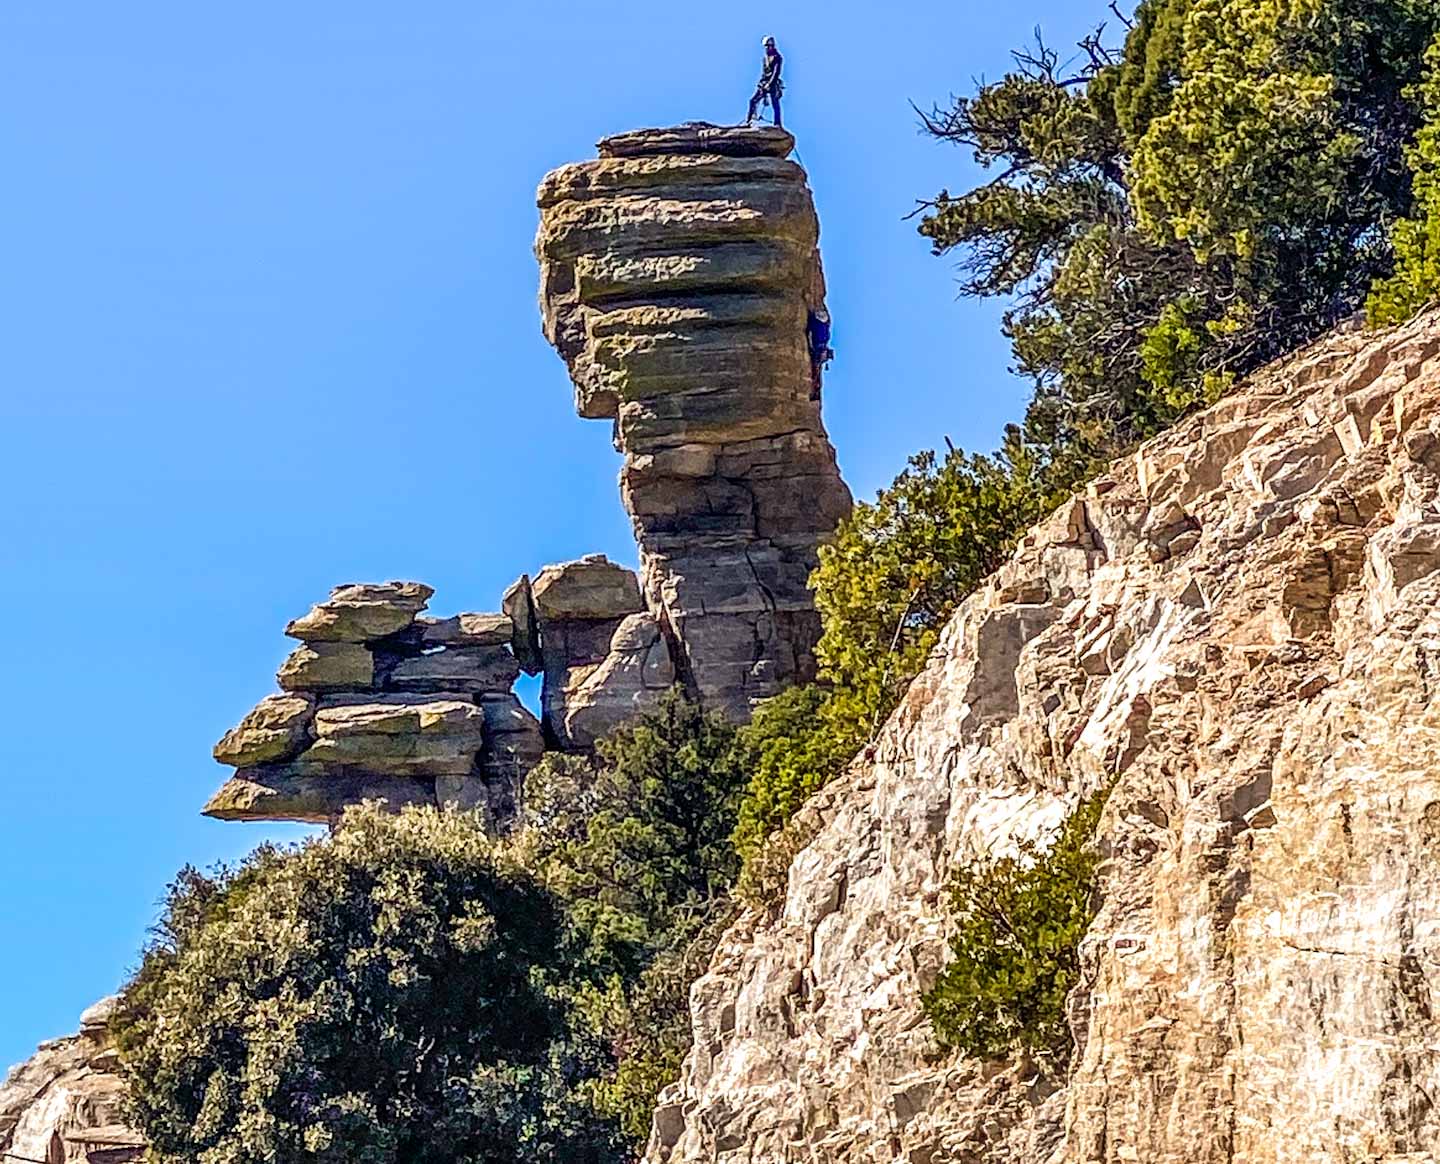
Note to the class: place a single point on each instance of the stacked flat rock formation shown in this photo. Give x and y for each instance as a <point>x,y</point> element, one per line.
<point>1239,627</point>
<point>380,702</point>
<point>63,1104</point>
<point>679,278</point>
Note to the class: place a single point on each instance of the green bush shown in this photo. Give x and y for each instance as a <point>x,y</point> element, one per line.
<point>1015,959</point>
<point>387,994</point>
<point>1415,283</point>
<point>635,845</point>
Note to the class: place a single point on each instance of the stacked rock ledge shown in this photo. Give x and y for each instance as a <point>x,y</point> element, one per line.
<point>681,282</point>
<point>382,704</point>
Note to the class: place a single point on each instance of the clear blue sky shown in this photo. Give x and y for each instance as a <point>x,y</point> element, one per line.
<point>268,323</point>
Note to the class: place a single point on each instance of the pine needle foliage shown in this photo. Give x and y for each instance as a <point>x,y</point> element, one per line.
<point>1015,952</point>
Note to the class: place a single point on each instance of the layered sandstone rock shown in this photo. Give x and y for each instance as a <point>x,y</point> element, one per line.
<point>391,705</point>
<point>679,279</point>
<point>63,1105</point>
<point>605,660</point>
<point>382,703</point>
<point>1240,628</point>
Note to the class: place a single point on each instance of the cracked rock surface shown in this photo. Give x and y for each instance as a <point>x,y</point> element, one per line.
<point>63,1104</point>
<point>1240,627</point>
<point>679,275</point>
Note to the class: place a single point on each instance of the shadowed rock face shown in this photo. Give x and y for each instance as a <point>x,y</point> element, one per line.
<point>678,275</point>
<point>1239,627</point>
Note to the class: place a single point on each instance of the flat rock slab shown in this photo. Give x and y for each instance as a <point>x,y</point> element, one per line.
<point>700,137</point>
<point>327,667</point>
<point>362,613</point>
<point>277,728</point>
<point>475,670</point>
<point>307,794</point>
<point>467,630</point>
<point>592,588</point>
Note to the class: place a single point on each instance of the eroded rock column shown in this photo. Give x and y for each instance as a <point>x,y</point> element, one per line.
<point>681,282</point>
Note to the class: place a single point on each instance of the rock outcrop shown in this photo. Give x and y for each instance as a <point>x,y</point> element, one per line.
<point>681,280</point>
<point>1240,628</point>
<point>382,703</point>
<point>63,1105</point>
<point>604,658</point>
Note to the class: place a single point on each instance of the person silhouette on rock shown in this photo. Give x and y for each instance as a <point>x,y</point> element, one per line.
<point>770,86</point>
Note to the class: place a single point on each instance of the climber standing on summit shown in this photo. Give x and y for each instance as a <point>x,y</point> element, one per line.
<point>770,86</point>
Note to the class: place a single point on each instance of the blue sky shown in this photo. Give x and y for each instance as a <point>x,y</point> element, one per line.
<point>269,325</point>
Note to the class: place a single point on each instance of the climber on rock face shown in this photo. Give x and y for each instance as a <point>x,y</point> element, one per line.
<point>770,86</point>
<point>817,338</point>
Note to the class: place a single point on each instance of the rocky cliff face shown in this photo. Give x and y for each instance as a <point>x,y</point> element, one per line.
<point>63,1104</point>
<point>681,281</point>
<point>1239,627</point>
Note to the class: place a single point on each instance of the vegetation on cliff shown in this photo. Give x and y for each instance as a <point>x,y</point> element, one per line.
<point>1015,952</point>
<point>1232,180</point>
<point>635,846</point>
<point>1171,212</point>
<point>410,989</point>
<point>389,993</point>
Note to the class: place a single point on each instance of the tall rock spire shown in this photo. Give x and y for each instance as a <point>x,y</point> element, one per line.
<point>680,277</point>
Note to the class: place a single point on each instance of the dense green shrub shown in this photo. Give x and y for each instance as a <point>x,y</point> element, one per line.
<point>390,993</point>
<point>1416,238</point>
<point>1019,921</point>
<point>635,845</point>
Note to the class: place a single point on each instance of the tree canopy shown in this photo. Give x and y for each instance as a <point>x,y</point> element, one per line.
<point>387,995</point>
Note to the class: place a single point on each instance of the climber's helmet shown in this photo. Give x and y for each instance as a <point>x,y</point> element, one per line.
<point>768,42</point>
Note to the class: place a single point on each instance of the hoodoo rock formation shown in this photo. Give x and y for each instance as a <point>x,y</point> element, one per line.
<point>1240,628</point>
<point>679,278</point>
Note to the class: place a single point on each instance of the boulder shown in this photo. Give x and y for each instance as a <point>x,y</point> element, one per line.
<point>326,666</point>
<point>362,613</point>
<point>699,137</point>
<point>591,589</point>
<point>310,793</point>
<point>466,630</point>
<point>635,672</point>
<point>443,737</point>
<point>277,728</point>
